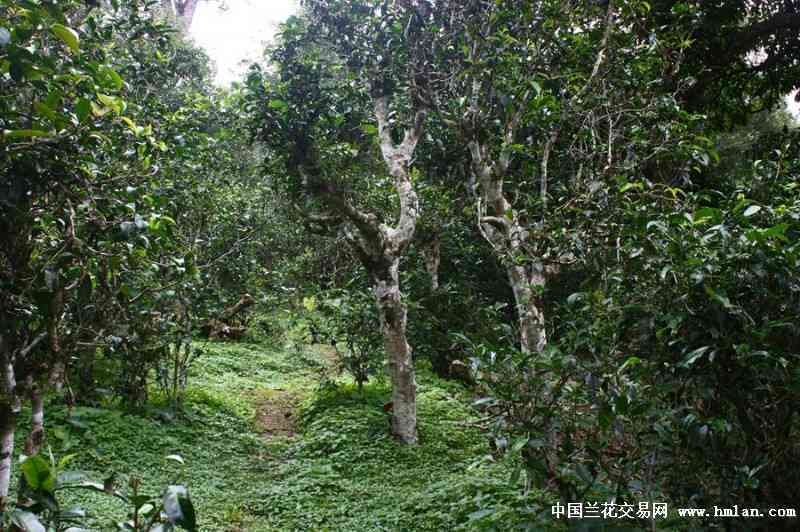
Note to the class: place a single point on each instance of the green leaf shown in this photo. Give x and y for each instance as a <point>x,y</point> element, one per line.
<point>64,461</point>
<point>110,77</point>
<point>631,362</point>
<point>82,109</point>
<point>584,474</point>
<point>707,214</point>
<point>68,36</point>
<point>38,474</point>
<point>137,501</point>
<point>519,443</point>
<point>42,109</point>
<point>278,104</point>
<point>130,123</point>
<point>777,231</point>
<point>719,297</point>
<point>22,133</point>
<point>112,102</point>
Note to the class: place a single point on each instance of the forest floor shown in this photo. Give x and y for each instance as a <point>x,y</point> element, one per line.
<point>268,448</point>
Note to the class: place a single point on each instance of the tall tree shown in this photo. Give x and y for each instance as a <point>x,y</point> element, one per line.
<point>509,101</point>
<point>352,67</point>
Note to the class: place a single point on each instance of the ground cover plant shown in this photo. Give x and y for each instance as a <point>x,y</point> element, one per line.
<point>245,472</point>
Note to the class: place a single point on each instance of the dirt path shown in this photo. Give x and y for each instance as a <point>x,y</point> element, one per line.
<point>276,413</point>
<point>276,408</point>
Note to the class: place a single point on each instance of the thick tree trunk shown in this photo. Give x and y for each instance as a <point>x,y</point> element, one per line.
<point>187,15</point>
<point>533,337</point>
<point>392,312</point>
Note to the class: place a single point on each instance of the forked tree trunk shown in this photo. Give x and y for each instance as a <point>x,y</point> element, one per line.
<point>500,226</point>
<point>387,282</point>
<point>392,312</point>
<point>380,248</point>
<point>498,221</point>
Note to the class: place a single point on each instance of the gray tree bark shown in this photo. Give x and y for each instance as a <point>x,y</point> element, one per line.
<point>380,247</point>
<point>498,221</point>
<point>33,443</point>
<point>392,311</point>
<point>386,280</point>
<point>500,225</point>
<point>10,407</point>
<point>432,253</point>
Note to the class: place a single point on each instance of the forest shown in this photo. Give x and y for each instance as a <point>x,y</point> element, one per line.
<point>427,265</point>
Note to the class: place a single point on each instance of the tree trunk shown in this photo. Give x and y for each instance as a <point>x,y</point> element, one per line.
<point>188,8</point>
<point>432,255</point>
<point>392,313</point>
<point>9,411</point>
<point>36,436</point>
<point>86,362</point>
<point>8,425</point>
<point>245,302</point>
<point>380,247</point>
<point>530,314</point>
<point>500,226</point>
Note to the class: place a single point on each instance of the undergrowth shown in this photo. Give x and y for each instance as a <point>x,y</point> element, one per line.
<point>342,471</point>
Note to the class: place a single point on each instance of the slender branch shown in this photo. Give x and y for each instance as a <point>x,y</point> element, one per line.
<point>499,222</point>
<point>31,346</point>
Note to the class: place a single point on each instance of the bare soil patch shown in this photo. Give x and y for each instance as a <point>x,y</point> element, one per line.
<point>328,355</point>
<point>276,413</point>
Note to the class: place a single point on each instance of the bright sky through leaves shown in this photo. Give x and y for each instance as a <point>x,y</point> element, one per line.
<point>237,31</point>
